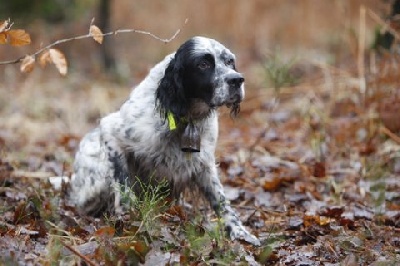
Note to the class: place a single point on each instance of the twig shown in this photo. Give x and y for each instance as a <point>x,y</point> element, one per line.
<point>28,174</point>
<point>390,134</point>
<point>89,35</point>
<point>83,257</point>
<point>386,26</point>
<point>361,52</point>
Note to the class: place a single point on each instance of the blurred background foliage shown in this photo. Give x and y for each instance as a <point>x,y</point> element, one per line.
<point>312,30</point>
<point>50,11</point>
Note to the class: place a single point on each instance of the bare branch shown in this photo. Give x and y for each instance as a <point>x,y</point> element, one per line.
<point>77,253</point>
<point>164,40</point>
<point>385,26</point>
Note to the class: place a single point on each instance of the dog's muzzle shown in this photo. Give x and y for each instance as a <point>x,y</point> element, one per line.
<point>236,92</point>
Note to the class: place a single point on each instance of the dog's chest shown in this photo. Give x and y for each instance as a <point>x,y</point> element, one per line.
<point>162,156</point>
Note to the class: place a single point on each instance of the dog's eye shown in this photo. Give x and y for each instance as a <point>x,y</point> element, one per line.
<point>204,65</point>
<point>230,62</point>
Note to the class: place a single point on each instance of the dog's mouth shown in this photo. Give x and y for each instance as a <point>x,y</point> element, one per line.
<point>235,108</point>
<point>233,103</point>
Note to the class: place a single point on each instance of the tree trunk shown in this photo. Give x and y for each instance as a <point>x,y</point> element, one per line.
<point>107,49</point>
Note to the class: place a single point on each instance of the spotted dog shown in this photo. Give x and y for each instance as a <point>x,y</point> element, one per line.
<point>166,130</point>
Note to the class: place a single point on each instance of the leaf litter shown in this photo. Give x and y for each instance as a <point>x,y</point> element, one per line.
<point>315,176</point>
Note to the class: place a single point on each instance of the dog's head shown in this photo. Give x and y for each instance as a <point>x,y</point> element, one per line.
<point>201,76</point>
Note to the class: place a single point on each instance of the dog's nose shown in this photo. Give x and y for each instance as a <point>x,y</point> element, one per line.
<point>234,79</point>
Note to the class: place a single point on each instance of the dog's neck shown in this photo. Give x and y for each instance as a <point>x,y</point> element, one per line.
<point>187,127</point>
<point>199,110</point>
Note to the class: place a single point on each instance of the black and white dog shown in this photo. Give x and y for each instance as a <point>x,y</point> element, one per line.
<point>166,130</point>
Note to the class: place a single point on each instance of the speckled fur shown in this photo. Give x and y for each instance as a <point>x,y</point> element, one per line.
<point>136,141</point>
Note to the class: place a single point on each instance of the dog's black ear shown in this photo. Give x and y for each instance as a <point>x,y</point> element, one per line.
<point>170,95</point>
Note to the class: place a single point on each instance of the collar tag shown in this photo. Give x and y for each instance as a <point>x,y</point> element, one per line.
<point>171,121</point>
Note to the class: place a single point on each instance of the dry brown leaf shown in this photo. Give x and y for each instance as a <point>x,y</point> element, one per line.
<point>322,220</point>
<point>272,183</point>
<point>319,169</point>
<point>59,61</point>
<point>106,231</point>
<point>96,34</point>
<point>5,25</point>
<point>44,58</point>
<point>3,38</point>
<point>18,37</point>
<point>27,64</point>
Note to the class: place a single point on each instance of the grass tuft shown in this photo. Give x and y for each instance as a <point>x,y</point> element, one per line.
<point>278,72</point>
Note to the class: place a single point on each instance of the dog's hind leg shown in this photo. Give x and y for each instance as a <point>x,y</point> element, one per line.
<point>99,167</point>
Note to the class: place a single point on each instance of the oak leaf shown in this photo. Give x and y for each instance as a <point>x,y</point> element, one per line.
<point>96,33</point>
<point>18,37</point>
<point>27,64</point>
<point>59,61</point>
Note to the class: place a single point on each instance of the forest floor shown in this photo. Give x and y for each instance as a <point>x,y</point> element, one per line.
<point>313,169</point>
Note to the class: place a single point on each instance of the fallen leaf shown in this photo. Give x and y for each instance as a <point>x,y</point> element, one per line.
<point>360,213</point>
<point>388,111</point>
<point>18,37</point>
<point>177,211</point>
<point>25,212</point>
<point>272,183</point>
<point>106,231</point>
<point>84,249</point>
<point>263,199</point>
<point>347,219</point>
<point>158,258</point>
<point>344,108</point>
<point>27,64</point>
<point>140,247</point>
<point>59,61</point>
<point>232,193</point>
<point>268,163</point>
<point>319,169</point>
<point>333,211</point>
<point>96,34</point>
<point>323,220</point>
<point>295,223</point>
<point>350,260</point>
<point>310,219</point>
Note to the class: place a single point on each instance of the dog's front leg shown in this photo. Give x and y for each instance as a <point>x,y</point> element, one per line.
<point>212,189</point>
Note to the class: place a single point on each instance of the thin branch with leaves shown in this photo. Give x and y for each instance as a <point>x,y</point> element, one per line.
<point>50,55</point>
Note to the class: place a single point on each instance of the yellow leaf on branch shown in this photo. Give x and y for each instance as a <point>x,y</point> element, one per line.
<point>18,37</point>
<point>59,61</point>
<point>27,64</point>
<point>96,34</point>
<point>44,58</point>
<point>5,25</point>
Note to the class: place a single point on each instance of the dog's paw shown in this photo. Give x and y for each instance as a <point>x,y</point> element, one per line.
<point>239,232</point>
